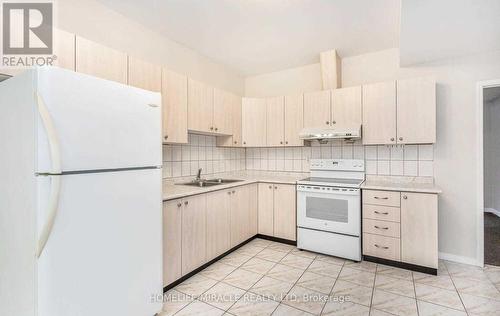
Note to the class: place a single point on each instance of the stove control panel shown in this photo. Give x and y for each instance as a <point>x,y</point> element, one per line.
<point>338,164</point>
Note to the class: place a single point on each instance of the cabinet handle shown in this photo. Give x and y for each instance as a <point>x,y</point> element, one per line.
<point>233,191</point>
<point>286,142</point>
<point>334,122</point>
<point>405,197</point>
<point>327,123</point>
<point>275,187</point>
<point>270,187</point>
<point>216,129</point>
<point>211,128</point>
<point>235,142</point>
<point>179,204</point>
<point>166,137</point>
<point>281,143</point>
<point>401,138</point>
<point>244,143</point>
<point>382,247</point>
<point>392,139</point>
<point>229,192</point>
<point>380,198</point>
<point>381,213</point>
<point>186,203</point>
<point>378,227</point>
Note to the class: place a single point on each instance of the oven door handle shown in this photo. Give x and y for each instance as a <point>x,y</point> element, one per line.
<point>329,192</point>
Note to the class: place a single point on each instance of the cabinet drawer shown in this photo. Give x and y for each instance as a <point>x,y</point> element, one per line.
<point>387,198</point>
<point>384,213</point>
<point>381,247</point>
<point>383,228</point>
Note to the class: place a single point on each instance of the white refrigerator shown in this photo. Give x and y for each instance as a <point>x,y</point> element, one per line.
<point>80,196</point>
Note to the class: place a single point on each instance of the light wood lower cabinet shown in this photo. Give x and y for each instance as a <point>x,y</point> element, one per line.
<point>277,210</point>
<point>218,223</point>
<point>172,241</point>
<point>419,229</point>
<point>401,226</point>
<point>194,233</point>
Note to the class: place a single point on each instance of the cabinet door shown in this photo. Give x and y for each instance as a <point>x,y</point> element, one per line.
<point>239,215</point>
<point>100,61</point>
<point>419,229</point>
<point>347,106</point>
<point>174,106</point>
<point>200,106</point>
<point>235,139</point>
<point>144,75</point>
<point>317,108</point>
<point>218,223</point>
<point>223,112</point>
<point>172,241</point>
<point>285,211</point>
<point>294,119</point>
<point>266,207</point>
<point>194,232</point>
<point>275,121</point>
<point>253,205</point>
<point>253,122</point>
<point>416,111</point>
<point>64,49</point>
<point>379,113</point>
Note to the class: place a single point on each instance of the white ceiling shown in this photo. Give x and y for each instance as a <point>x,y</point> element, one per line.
<point>433,30</point>
<point>261,36</point>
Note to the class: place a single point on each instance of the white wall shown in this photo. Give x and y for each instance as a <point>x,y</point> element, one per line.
<point>455,151</point>
<point>491,154</point>
<point>92,20</point>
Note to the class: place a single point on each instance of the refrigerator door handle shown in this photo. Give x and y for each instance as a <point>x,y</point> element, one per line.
<point>55,184</point>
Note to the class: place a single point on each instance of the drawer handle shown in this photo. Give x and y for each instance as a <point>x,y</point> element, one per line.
<point>378,227</point>
<point>382,247</point>
<point>381,213</point>
<point>380,198</point>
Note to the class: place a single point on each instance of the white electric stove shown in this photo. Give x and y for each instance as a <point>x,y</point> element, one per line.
<point>329,208</point>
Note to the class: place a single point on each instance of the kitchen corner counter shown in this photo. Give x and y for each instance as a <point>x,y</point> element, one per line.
<point>412,186</point>
<point>172,191</point>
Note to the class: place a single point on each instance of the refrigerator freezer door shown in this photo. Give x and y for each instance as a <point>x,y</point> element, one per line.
<point>104,254</point>
<point>98,124</point>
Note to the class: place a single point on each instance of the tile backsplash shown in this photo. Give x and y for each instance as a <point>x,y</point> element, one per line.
<point>200,152</point>
<point>388,160</point>
<point>383,160</point>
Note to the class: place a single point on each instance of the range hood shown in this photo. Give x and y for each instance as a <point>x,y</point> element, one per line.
<point>324,134</point>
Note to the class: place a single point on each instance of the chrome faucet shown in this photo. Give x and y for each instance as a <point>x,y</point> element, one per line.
<point>198,175</point>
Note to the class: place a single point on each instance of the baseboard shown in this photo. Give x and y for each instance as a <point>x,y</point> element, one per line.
<point>492,210</point>
<point>402,265</point>
<point>458,259</point>
<point>276,239</point>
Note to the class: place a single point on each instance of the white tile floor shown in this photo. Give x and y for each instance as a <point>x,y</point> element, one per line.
<point>264,278</point>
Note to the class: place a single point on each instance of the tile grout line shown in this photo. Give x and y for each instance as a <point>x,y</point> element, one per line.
<point>333,287</point>
<point>456,290</point>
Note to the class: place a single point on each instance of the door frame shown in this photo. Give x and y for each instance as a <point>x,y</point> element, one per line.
<point>481,85</point>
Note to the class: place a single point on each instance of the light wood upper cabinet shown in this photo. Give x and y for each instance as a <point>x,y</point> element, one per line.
<point>379,113</point>
<point>100,61</point>
<point>64,49</point>
<point>285,211</point>
<point>317,106</point>
<point>275,121</point>
<point>294,119</point>
<point>144,75</point>
<point>172,241</point>
<point>218,223</point>
<point>200,106</point>
<point>347,106</point>
<point>266,209</point>
<point>254,122</point>
<point>174,106</point>
<point>235,139</point>
<point>194,232</point>
<point>223,112</point>
<point>419,229</point>
<point>416,111</point>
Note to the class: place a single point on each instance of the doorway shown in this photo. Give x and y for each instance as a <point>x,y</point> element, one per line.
<point>491,174</point>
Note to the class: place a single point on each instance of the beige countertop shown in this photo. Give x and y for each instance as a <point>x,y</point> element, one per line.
<point>172,191</point>
<point>405,184</point>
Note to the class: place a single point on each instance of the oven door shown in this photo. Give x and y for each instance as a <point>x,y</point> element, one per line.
<point>336,210</point>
